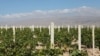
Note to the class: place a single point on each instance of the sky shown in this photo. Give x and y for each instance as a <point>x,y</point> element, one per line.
<point>18,11</point>
<point>21,6</point>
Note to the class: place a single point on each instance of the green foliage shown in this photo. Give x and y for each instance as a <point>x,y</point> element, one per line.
<point>76,52</point>
<point>26,41</point>
<point>87,37</point>
<point>48,52</point>
<point>97,37</point>
<point>63,37</point>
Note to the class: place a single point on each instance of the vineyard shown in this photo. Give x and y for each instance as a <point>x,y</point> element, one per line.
<point>36,42</point>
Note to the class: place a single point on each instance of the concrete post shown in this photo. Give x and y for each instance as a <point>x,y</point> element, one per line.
<point>52,35</point>
<point>93,39</point>
<point>79,37</point>
<point>14,34</point>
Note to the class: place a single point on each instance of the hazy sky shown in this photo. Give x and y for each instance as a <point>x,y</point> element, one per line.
<point>21,10</point>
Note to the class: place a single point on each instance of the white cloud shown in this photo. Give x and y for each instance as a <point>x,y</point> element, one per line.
<point>84,10</point>
<point>52,14</point>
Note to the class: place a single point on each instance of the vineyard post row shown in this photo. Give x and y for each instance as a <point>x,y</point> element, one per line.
<point>51,33</point>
